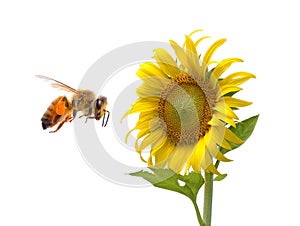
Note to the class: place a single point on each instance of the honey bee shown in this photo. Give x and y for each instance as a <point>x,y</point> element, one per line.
<point>85,101</point>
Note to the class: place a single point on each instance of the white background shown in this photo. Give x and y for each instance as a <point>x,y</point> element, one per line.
<point>43,178</point>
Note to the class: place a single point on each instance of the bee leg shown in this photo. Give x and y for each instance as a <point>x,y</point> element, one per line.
<point>74,115</point>
<point>88,117</point>
<point>90,111</point>
<point>74,105</point>
<point>68,118</point>
<point>71,118</point>
<point>104,116</point>
<point>59,126</point>
<point>82,116</point>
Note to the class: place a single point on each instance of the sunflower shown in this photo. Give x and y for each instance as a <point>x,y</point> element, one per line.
<point>185,107</point>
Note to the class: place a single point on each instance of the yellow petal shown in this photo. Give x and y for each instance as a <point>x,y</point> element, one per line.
<point>151,138</point>
<point>139,151</point>
<point>190,47</point>
<point>217,137</point>
<point>150,162</point>
<point>143,105</point>
<point>166,62</point>
<point>220,116</point>
<point>222,157</point>
<point>192,57</point>
<point>142,158</point>
<point>147,126</point>
<point>238,81</point>
<point>154,81</point>
<point>158,145</point>
<point>212,148</point>
<point>143,131</point>
<point>225,109</point>
<point>147,90</point>
<point>147,122</point>
<point>206,161</point>
<point>214,151</point>
<point>237,78</point>
<point>162,154</point>
<point>198,155</point>
<point>179,157</point>
<point>234,102</point>
<point>187,167</point>
<point>127,134</point>
<point>224,65</point>
<point>195,31</point>
<point>211,50</point>
<point>150,69</point>
<point>228,89</point>
<point>212,169</point>
<point>230,136</point>
<point>207,137</point>
<point>215,120</point>
<point>147,117</point>
<point>201,39</point>
<point>180,53</point>
<point>225,145</point>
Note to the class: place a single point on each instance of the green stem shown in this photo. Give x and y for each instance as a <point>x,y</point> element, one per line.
<point>208,194</point>
<point>200,220</point>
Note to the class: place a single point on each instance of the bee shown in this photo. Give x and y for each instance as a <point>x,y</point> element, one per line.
<point>84,101</point>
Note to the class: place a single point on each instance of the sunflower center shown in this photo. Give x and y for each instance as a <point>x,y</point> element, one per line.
<point>184,110</point>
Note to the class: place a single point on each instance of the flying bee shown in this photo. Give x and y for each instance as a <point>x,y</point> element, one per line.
<point>85,101</point>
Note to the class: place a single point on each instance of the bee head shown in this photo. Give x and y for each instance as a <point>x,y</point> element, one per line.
<point>100,104</point>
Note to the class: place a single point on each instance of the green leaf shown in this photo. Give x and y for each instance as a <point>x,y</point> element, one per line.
<point>243,130</point>
<point>187,185</point>
<point>220,177</point>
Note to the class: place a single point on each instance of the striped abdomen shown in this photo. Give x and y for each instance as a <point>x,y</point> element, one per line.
<point>56,112</point>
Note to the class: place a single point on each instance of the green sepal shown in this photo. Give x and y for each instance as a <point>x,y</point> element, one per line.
<point>230,94</point>
<point>220,177</point>
<point>208,73</point>
<point>168,179</point>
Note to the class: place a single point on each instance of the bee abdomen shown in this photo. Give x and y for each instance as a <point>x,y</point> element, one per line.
<point>50,117</point>
<point>46,124</point>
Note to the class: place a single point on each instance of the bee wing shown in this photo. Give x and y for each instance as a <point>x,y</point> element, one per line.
<point>58,85</point>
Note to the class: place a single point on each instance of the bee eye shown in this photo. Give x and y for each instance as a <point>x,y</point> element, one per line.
<point>98,104</point>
